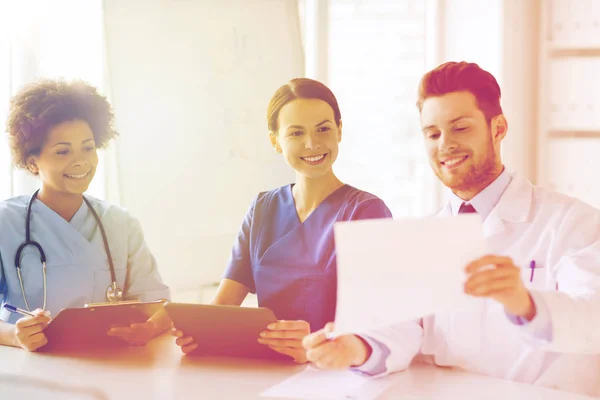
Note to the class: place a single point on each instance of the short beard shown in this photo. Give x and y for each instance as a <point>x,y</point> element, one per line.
<point>479,176</point>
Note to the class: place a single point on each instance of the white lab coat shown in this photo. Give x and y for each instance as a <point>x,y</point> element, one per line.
<point>562,235</point>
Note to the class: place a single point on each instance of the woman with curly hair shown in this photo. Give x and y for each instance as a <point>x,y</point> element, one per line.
<point>79,249</point>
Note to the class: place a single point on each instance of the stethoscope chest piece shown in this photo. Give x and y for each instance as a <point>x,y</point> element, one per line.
<point>114,293</point>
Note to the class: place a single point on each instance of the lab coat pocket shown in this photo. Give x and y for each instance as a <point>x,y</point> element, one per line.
<point>102,280</point>
<point>535,276</point>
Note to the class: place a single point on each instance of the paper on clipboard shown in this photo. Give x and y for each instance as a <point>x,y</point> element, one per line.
<point>88,327</point>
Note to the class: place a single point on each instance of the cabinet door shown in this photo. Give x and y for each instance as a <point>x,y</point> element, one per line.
<point>573,165</point>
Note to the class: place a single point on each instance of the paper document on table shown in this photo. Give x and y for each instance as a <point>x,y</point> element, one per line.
<point>397,270</point>
<point>313,383</point>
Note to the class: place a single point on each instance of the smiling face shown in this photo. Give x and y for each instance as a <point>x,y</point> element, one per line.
<point>307,136</point>
<point>463,148</point>
<point>68,160</point>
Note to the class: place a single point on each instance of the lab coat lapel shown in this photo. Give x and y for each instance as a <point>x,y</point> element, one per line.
<point>493,224</point>
<point>446,211</point>
<point>514,207</point>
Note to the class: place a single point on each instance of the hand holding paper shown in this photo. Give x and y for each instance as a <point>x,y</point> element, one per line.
<point>338,352</point>
<point>502,282</point>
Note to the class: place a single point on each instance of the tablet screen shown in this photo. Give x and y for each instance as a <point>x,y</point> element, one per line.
<point>225,330</point>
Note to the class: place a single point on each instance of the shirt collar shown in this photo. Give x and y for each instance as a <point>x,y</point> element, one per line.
<point>485,201</point>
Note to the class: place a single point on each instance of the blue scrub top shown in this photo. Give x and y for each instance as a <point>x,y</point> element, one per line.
<point>77,266</point>
<point>289,264</point>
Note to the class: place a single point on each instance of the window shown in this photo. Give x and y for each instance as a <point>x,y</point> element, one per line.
<point>62,38</point>
<point>376,54</point>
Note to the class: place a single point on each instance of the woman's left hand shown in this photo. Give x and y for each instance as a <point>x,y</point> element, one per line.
<point>285,337</point>
<point>136,334</point>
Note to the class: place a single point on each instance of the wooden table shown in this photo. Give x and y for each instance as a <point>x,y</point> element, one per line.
<point>160,371</point>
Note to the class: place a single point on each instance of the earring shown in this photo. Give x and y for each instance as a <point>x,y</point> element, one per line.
<point>33,167</point>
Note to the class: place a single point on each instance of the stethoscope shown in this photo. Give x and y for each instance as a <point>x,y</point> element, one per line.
<point>113,292</point>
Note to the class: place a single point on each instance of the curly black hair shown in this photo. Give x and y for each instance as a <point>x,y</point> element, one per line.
<point>43,104</point>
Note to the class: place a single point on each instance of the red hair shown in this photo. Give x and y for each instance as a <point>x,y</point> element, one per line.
<point>462,77</point>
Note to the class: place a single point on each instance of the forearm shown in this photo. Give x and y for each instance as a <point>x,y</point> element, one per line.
<point>230,293</point>
<point>574,323</point>
<point>537,329</point>
<point>365,353</point>
<point>377,354</point>
<point>7,335</point>
<point>392,348</point>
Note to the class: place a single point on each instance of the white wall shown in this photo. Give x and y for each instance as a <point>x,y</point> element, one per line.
<point>473,32</point>
<point>520,84</point>
<point>502,37</point>
<point>190,83</point>
<point>37,41</point>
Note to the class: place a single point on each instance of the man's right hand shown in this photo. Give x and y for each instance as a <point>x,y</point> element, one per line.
<point>340,352</point>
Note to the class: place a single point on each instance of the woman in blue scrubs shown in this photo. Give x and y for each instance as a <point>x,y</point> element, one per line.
<point>55,129</point>
<point>285,251</point>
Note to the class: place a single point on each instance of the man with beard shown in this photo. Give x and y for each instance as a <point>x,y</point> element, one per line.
<point>538,320</point>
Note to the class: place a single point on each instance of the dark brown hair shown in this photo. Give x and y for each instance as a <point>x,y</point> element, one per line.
<point>462,77</point>
<point>300,88</point>
<point>41,105</point>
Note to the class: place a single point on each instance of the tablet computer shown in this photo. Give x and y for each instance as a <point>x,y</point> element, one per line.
<point>77,328</point>
<point>224,330</point>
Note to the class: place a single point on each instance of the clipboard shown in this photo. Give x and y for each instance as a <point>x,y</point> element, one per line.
<point>224,330</point>
<point>86,328</point>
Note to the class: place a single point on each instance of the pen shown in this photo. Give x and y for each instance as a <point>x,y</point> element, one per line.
<point>17,310</point>
<point>532,266</point>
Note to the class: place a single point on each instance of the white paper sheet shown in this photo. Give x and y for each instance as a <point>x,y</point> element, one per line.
<point>397,270</point>
<point>313,383</point>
